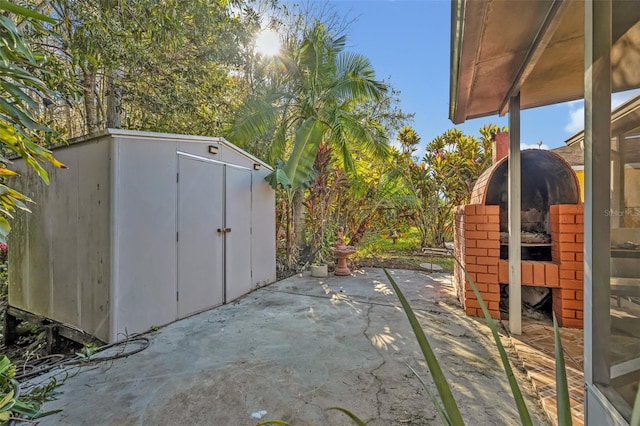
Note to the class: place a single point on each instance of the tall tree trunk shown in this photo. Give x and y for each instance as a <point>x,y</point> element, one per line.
<point>91,111</point>
<point>114,99</point>
<point>290,233</point>
<point>298,219</point>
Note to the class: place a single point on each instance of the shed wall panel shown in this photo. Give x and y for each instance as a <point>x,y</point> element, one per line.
<point>37,286</point>
<point>263,227</point>
<point>238,240</point>
<point>38,294</point>
<point>62,215</point>
<point>19,259</point>
<point>28,259</point>
<point>146,227</point>
<point>93,243</point>
<point>62,248</point>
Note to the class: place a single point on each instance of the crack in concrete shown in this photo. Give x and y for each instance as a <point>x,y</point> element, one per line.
<point>372,372</point>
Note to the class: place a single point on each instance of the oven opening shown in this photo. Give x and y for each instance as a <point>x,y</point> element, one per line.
<point>536,302</point>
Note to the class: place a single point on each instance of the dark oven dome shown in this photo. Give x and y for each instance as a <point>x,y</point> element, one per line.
<point>547,179</point>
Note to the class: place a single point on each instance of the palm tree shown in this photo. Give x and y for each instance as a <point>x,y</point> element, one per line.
<point>310,99</point>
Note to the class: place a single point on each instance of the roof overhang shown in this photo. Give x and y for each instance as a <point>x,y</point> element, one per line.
<point>624,119</point>
<point>533,47</point>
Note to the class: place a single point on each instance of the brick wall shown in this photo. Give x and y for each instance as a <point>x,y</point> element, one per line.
<point>535,273</point>
<point>500,146</point>
<point>477,246</point>
<point>567,236</point>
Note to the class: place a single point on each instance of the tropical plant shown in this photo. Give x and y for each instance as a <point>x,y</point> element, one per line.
<point>457,160</point>
<point>312,102</point>
<point>423,202</point>
<point>371,198</point>
<point>12,404</point>
<point>22,95</point>
<point>447,408</point>
<point>443,179</point>
<point>323,190</point>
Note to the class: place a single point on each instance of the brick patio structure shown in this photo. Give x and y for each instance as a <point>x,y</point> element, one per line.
<point>477,241</point>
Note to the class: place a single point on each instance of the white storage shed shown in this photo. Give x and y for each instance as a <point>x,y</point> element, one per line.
<point>141,230</point>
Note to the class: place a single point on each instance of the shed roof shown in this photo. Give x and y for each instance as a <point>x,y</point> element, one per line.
<point>163,136</point>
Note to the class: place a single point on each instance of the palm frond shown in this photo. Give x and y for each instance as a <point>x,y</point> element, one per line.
<point>366,135</point>
<point>299,166</point>
<point>253,121</point>
<point>356,79</point>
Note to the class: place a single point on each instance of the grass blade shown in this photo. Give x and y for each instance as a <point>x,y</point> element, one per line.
<point>440,380</point>
<point>525,417</point>
<point>352,416</point>
<point>563,405</point>
<point>443,414</point>
<point>635,414</point>
<point>273,422</point>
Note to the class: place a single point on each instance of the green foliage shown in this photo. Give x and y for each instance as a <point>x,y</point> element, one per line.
<point>457,160</point>
<point>377,247</point>
<point>349,414</point>
<point>635,415</point>
<point>178,69</point>
<point>309,98</point>
<point>563,404</point>
<point>346,412</point>
<point>371,198</point>
<point>423,197</point>
<point>87,351</point>
<point>13,406</point>
<point>312,102</point>
<point>299,166</point>
<point>408,240</point>
<point>21,90</point>
<point>443,179</point>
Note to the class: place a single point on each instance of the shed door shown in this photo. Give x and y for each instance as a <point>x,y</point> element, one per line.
<point>238,239</point>
<point>200,246</point>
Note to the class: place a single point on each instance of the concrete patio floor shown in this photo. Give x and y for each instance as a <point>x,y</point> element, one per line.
<point>293,349</point>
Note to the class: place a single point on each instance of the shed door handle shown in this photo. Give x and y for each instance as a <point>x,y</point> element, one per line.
<point>224,230</point>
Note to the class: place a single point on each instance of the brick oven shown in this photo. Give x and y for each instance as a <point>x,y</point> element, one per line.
<point>552,234</point>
